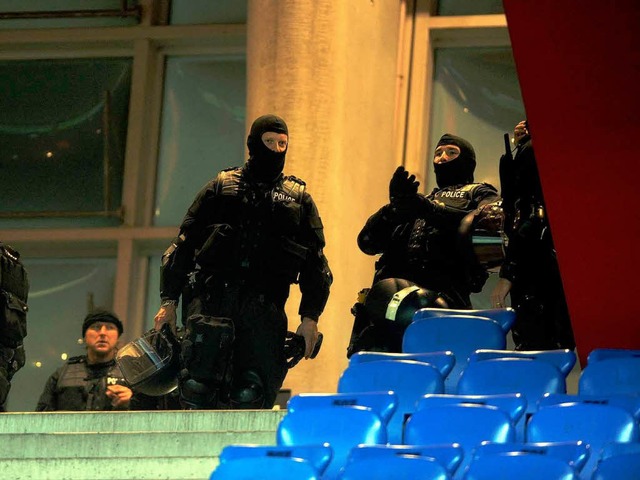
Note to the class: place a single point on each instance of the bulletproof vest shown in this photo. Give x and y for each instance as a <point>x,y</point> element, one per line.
<point>14,290</point>
<point>83,387</point>
<point>256,229</point>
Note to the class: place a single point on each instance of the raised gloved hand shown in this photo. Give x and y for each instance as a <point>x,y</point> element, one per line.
<point>402,184</point>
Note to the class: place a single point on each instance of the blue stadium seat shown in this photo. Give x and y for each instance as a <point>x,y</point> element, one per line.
<point>563,359</point>
<point>532,378</point>
<point>443,361</point>
<point>598,354</point>
<point>625,466</point>
<point>630,403</point>
<point>611,376</point>
<point>574,454</point>
<point>342,428</point>
<point>408,379</point>
<point>595,424</point>
<point>460,334</point>
<point>448,455</point>
<point>520,466</point>
<point>255,468</point>
<point>383,403</point>
<point>466,424</point>
<point>504,316</point>
<point>512,404</point>
<point>318,456</point>
<point>395,467</point>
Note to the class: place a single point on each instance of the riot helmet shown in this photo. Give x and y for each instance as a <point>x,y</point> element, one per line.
<point>396,300</point>
<point>150,364</point>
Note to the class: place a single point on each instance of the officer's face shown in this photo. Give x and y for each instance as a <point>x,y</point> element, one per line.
<point>446,153</point>
<point>101,338</point>
<point>275,141</point>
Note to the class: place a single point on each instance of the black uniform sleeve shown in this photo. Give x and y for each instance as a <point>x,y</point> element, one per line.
<point>48,399</point>
<point>375,236</point>
<point>315,276</point>
<point>178,260</point>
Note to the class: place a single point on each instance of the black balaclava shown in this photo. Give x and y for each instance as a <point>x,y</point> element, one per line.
<point>265,165</point>
<point>460,170</point>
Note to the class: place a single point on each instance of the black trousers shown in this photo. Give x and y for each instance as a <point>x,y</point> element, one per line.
<point>260,330</point>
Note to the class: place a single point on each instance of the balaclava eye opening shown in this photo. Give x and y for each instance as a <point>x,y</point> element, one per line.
<point>460,170</point>
<point>265,165</point>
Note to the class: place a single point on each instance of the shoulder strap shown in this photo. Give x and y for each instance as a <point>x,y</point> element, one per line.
<point>228,181</point>
<point>294,187</point>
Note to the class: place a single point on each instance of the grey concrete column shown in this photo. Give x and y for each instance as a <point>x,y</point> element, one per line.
<point>328,67</point>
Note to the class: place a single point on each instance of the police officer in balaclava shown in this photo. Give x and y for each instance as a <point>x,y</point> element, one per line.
<point>249,234</point>
<point>424,238</point>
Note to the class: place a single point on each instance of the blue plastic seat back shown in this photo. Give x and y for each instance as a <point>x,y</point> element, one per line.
<point>384,403</point>
<point>504,316</point>
<point>618,467</point>
<point>466,424</point>
<point>256,468</point>
<point>595,424</point>
<point>448,455</point>
<point>611,376</point>
<point>574,454</point>
<point>443,361</point>
<point>342,428</point>
<point>460,334</point>
<point>398,466</point>
<point>532,378</point>
<point>630,403</point>
<point>521,466</point>
<point>513,405</point>
<point>318,456</point>
<point>598,354</point>
<point>563,359</point>
<point>408,379</point>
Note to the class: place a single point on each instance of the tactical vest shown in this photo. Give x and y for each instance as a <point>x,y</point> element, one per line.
<point>83,387</point>
<point>263,242</point>
<point>14,290</point>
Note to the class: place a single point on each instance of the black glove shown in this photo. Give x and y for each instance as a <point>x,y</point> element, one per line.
<point>402,184</point>
<point>294,347</point>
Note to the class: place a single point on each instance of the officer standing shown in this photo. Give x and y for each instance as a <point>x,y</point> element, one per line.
<point>92,381</point>
<point>530,273</point>
<point>14,290</point>
<point>426,239</point>
<point>249,234</point>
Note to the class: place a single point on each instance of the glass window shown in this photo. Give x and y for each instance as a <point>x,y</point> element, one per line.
<point>62,292</point>
<point>206,11</point>
<point>469,7</point>
<point>63,131</point>
<point>47,13</point>
<point>202,130</point>
<point>476,95</point>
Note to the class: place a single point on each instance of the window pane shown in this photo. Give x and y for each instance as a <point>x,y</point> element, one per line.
<point>476,95</point>
<point>63,130</point>
<point>75,21</point>
<point>203,129</point>
<point>206,11</point>
<point>469,7</point>
<point>59,298</point>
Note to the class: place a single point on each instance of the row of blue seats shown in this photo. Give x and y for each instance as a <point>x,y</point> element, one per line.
<point>469,441</point>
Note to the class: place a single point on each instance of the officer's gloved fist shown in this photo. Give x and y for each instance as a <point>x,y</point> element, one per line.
<point>402,184</point>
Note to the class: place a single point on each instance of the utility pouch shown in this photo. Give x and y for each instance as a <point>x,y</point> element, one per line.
<point>218,249</point>
<point>207,348</point>
<point>13,319</point>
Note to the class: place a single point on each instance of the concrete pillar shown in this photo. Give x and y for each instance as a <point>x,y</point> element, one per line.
<point>328,68</point>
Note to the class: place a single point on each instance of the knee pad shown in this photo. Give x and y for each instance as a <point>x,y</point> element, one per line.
<point>207,348</point>
<point>247,391</point>
<point>197,396</point>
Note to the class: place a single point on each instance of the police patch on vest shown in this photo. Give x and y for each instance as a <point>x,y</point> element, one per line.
<point>279,196</point>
